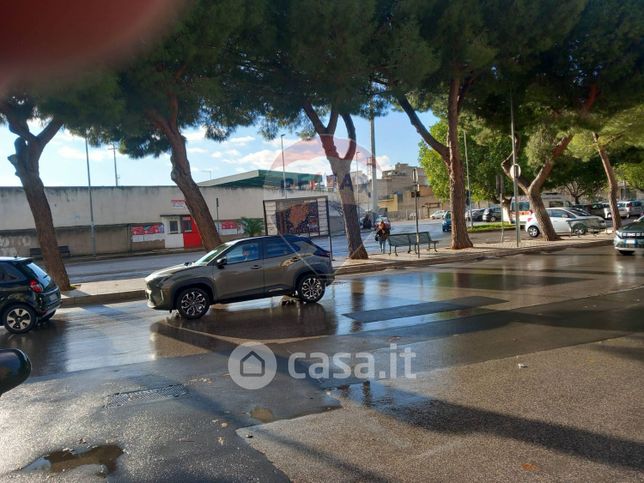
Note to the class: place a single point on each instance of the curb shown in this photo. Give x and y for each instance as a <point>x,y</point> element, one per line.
<point>105,298</point>
<point>131,295</point>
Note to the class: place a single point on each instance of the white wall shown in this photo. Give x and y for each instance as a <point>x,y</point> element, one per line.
<point>134,204</point>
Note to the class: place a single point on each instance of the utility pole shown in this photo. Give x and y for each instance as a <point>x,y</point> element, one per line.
<point>374,171</point>
<point>91,204</point>
<point>283,166</point>
<point>116,174</point>
<point>516,172</point>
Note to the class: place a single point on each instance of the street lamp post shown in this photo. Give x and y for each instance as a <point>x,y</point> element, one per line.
<point>515,174</point>
<point>469,190</point>
<point>91,204</point>
<point>283,165</point>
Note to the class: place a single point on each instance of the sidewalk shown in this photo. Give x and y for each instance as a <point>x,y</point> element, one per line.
<point>134,289</point>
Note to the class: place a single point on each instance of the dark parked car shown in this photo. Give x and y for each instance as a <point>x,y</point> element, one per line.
<point>477,214</point>
<point>595,209</point>
<point>245,269</point>
<point>492,214</point>
<point>447,221</point>
<point>27,294</point>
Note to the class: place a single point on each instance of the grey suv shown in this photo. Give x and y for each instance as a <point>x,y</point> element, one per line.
<point>244,269</point>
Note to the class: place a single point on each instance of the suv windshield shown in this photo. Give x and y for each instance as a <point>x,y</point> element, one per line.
<point>213,255</point>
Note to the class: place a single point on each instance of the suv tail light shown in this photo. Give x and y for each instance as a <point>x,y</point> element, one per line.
<point>35,286</point>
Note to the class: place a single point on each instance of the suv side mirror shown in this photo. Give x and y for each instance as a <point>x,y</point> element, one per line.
<point>15,368</point>
<point>221,262</point>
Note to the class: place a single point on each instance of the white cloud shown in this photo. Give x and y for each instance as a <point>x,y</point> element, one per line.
<point>383,163</point>
<point>197,150</point>
<point>277,142</point>
<point>195,134</point>
<point>233,152</point>
<point>68,152</point>
<point>216,154</point>
<point>239,140</point>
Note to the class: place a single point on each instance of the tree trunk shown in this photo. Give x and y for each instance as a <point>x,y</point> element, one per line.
<point>182,176</point>
<point>341,166</point>
<point>341,170</point>
<point>612,184</point>
<point>26,161</point>
<point>506,205</point>
<point>460,238</point>
<point>195,201</point>
<point>540,213</point>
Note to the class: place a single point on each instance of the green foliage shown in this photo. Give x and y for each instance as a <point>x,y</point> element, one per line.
<point>581,179</point>
<point>252,226</point>
<point>632,174</point>
<point>486,150</point>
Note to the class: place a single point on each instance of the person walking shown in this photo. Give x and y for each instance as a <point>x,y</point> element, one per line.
<point>382,233</point>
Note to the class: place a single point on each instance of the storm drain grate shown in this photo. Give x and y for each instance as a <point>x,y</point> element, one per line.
<point>146,395</point>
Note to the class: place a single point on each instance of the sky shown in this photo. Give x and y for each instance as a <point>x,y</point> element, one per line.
<point>63,162</point>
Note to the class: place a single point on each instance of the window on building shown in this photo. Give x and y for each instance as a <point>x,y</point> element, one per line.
<point>186,225</point>
<point>174,226</point>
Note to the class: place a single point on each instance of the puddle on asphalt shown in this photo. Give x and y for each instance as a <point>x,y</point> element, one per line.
<point>263,415</point>
<point>67,459</point>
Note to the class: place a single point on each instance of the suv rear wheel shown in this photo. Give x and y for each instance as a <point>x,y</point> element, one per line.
<point>193,303</point>
<point>310,288</point>
<point>19,319</point>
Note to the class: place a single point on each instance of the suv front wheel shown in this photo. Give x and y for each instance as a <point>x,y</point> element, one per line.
<point>310,288</point>
<point>193,303</point>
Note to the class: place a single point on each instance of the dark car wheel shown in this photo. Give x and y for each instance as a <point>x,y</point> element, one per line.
<point>533,231</point>
<point>193,303</point>
<point>19,318</point>
<point>624,252</point>
<point>492,218</point>
<point>579,229</point>
<point>310,288</point>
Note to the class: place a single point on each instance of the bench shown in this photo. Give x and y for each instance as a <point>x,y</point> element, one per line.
<point>37,252</point>
<point>409,240</point>
<point>424,237</point>
<point>399,240</point>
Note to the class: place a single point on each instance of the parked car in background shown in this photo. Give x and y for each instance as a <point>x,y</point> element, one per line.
<point>623,213</point>
<point>447,222</point>
<point>566,222</point>
<point>595,209</point>
<point>438,215</point>
<point>28,295</point>
<point>630,238</point>
<point>633,208</point>
<point>492,214</point>
<point>477,214</point>
<point>245,269</point>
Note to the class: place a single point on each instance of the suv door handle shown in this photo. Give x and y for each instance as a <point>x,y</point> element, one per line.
<point>255,267</point>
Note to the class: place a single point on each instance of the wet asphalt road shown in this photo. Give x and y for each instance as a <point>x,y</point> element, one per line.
<point>452,315</point>
<point>88,270</point>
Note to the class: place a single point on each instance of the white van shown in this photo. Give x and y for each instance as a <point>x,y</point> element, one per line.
<point>550,200</point>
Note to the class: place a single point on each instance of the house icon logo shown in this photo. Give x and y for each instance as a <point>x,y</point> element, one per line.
<point>252,365</point>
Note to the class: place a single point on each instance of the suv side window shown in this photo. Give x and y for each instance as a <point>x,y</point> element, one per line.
<point>9,273</point>
<point>276,247</point>
<point>243,252</point>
